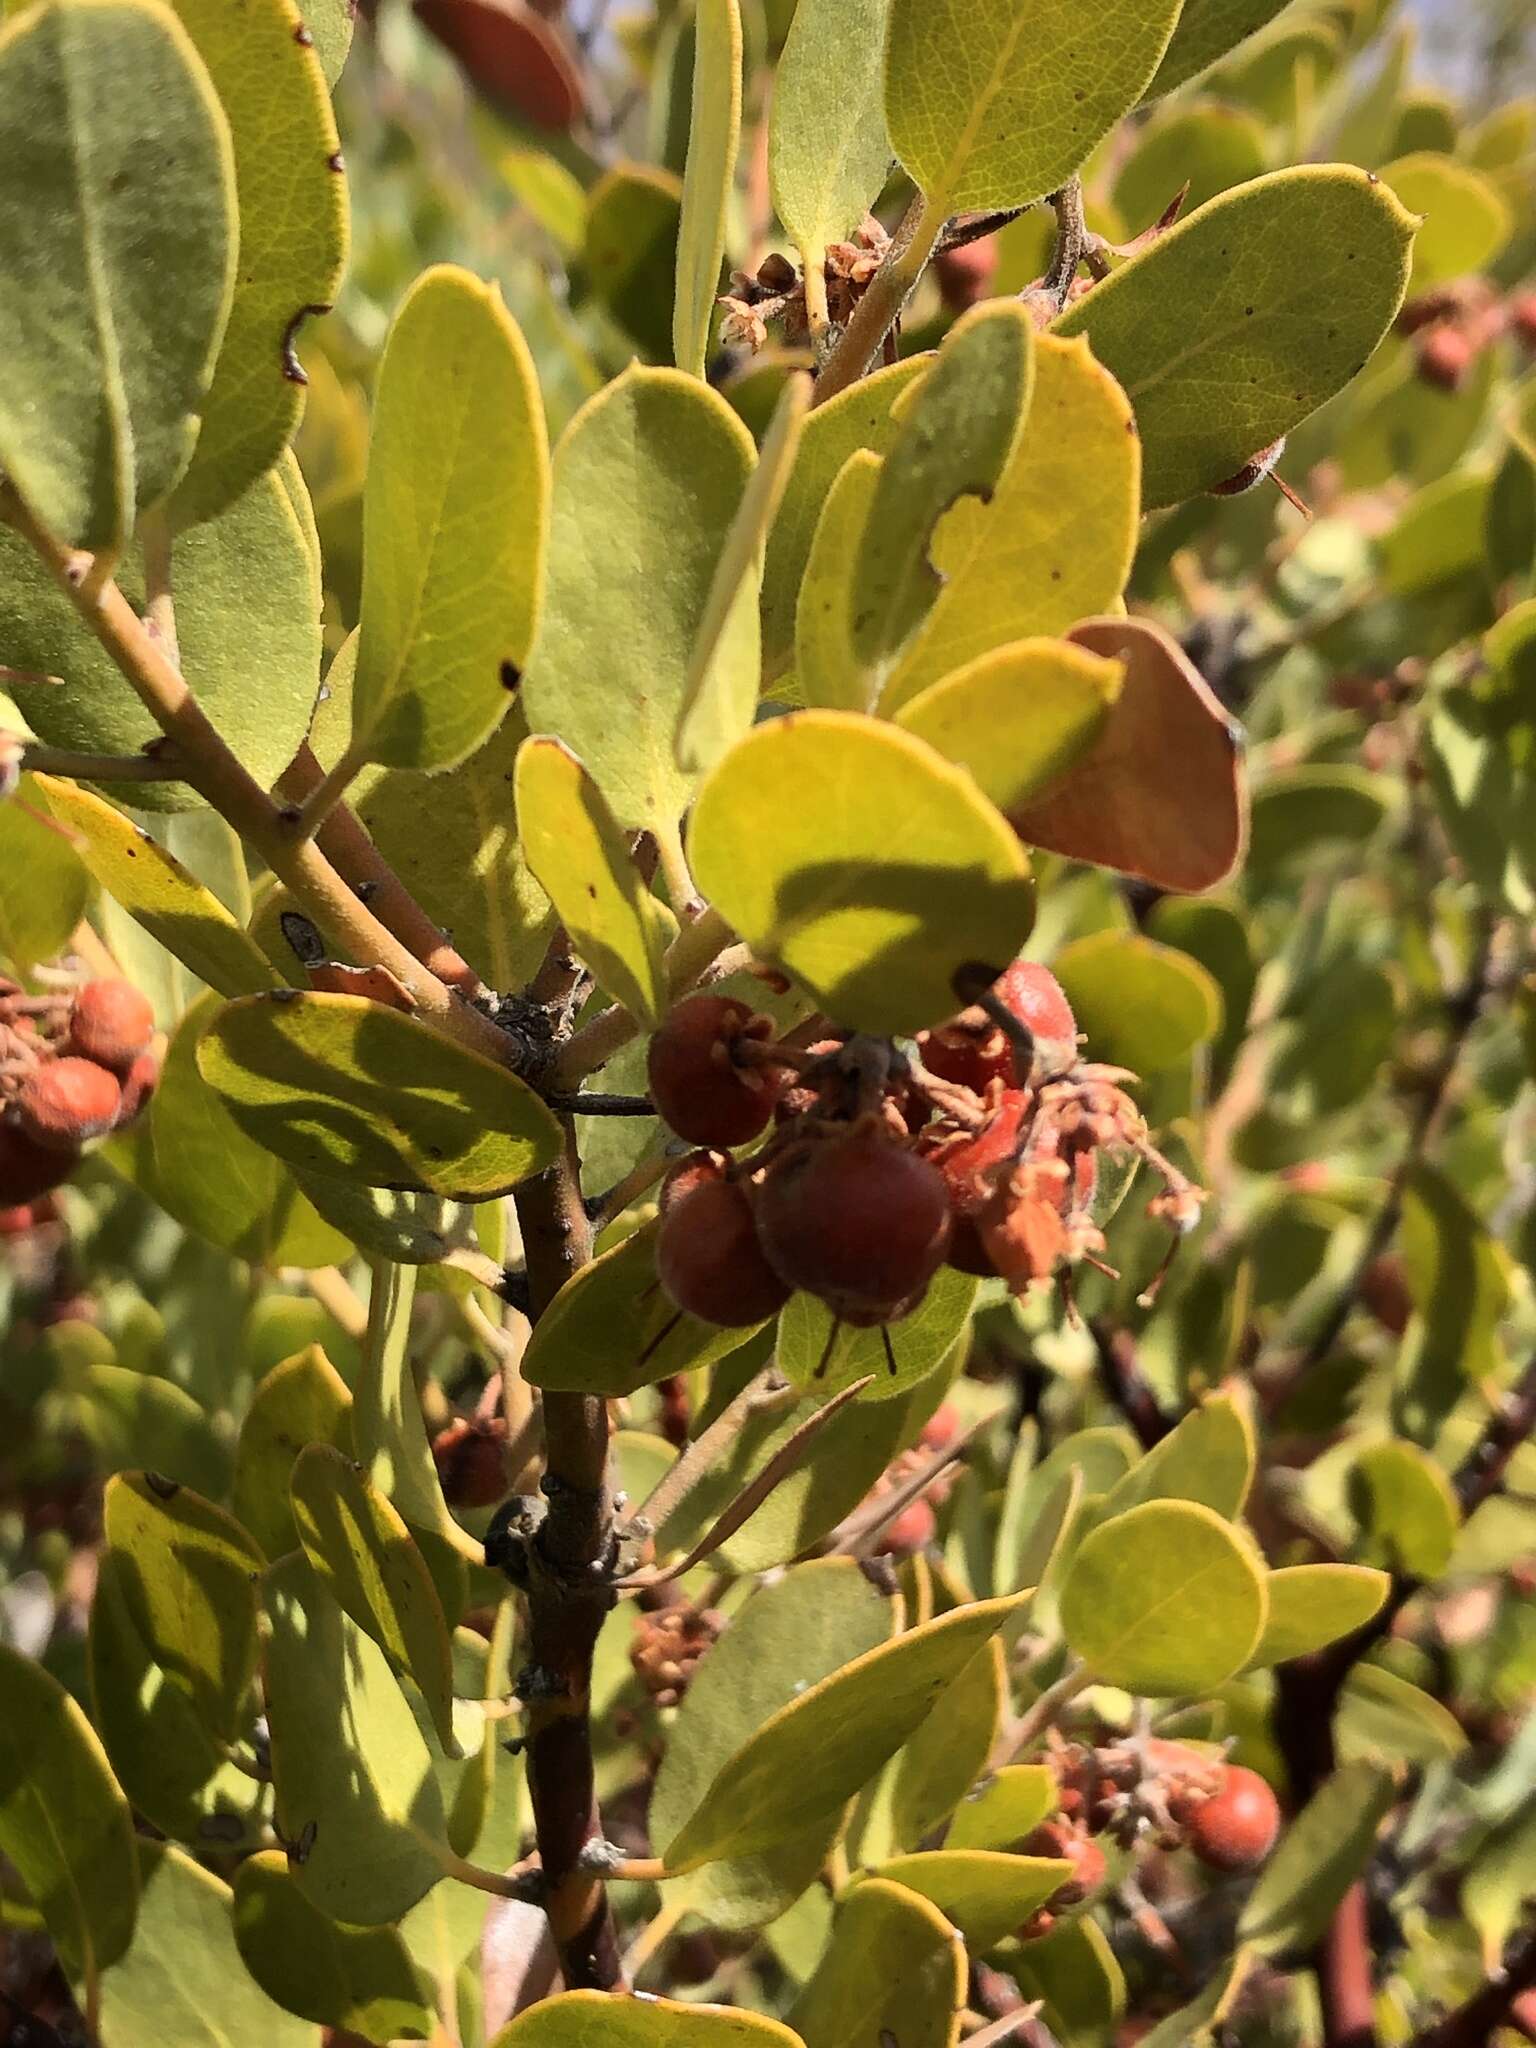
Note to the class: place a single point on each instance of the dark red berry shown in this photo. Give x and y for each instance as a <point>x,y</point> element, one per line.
<point>111,1023</point>
<point>694,1171</point>
<point>1235,1828</point>
<point>699,1086</point>
<point>965,275</point>
<point>1444,357</point>
<point>471,1459</point>
<point>856,1219</point>
<point>64,1103</point>
<point>709,1259</point>
<point>1522,318</point>
<point>28,1169</point>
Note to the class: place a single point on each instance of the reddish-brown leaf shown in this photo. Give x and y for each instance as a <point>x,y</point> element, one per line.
<point>513,55</point>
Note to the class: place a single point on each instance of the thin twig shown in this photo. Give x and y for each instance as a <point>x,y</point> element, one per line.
<point>41,760</point>
<point>881,306</point>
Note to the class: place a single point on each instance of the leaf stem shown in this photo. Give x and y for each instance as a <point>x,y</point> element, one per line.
<point>328,793</point>
<point>40,760</point>
<point>1034,1721</point>
<point>813,270</point>
<point>686,900</point>
<point>880,308</point>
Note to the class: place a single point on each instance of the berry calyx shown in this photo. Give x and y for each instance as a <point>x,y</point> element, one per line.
<point>710,1261</point>
<point>110,1022</point>
<point>66,1102</point>
<point>699,1084</point>
<point>857,1220</point>
<point>1235,1828</point>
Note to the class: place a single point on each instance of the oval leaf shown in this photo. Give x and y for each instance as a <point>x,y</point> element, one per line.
<point>118,229</point>
<point>793,839</point>
<point>1209,1457</point>
<point>986,1894</point>
<point>828,152</point>
<point>1142,1005</point>
<point>894,1969</point>
<point>713,134</point>
<point>827,667</point>
<point>1312,1605</point>
<point>1009,1806</point>
<point>1164,1600</point>
<point>44,887</point>
<point>337,1085</point>
<point>1323,1851</point>
<point>574,2019</point>
<point>1206,30</point>
<point>304,1400</point>
<point>455,518</point>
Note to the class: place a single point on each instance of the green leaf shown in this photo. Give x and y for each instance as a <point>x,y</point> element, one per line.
<point>455,518</point>
<point>1406,1507</point>
<point>182,1979</point>
<point>894,1970</point>
<point>1466,218</point>
<point>188,1574</point>
<point>360,1546</point>
<point>291,198</point>
<point>956,433</point>
<point>1019,717</point>
<point>919,1343</point>
<point>575,2019</point>
<point>648,476</point>
<point>338,1085</point>
<point>137,1420</point>
<point>611,1330</point>
<point>583,861</point>
<point>997,104</point>
<point>1317,803</point>
<point>1002,1811</point>
<point>1312,1605</point>
<point>1500,1882</point>
<point>713,134</point>
<point>304,1400</point>
<point>173,1771</point>
<point>1074,1971</point>
<point>388,1432</point>
<point>359,1979</point>
<point>631,246</point>
<point>356,1794</point>
<point>827,667</point>
<point>792,840</point>
<point>1459,1278</point>
<point>1056,540</point>
<point>1320,1855</point>
<point>985,1893</point>
<point>860,417</point>
<point>246,605</point>
<point>1206,30</point>
<point>1165,1599</point>
<point>330,22</point>
<point>790,1633</point>
<point>64,1823</point>
<point>1142,1005</point>
<point>1160,794</point>
<point>1208,146</point>
<point>1209,1457</point>
<point>929,1776</point>
<point>218,1182</point>
<point>1383,1718</point>
<point>720,694</point>
<point>812,1754</point>
<point>157,891</point>
<point>828,152</point>
<point>1228,331</point>
<point>44,887</point>
<point>117,229</point>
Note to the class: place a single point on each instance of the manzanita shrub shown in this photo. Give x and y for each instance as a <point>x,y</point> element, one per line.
<point>765,1056</point>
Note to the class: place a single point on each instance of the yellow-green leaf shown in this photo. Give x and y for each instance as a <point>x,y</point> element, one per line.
<point>1406,1507</point>
<point>983,1891</point>
<point>1165,1599</point>
<point>360,1546</point>
<point>861,861</point>
<point>1208,145</point>
<point>648,477</point>
<point>1008,1806</point>
<point>713,134</point>
<point>827,668</point>
<point>1322,1853</point>
<point>828,152</point>
<point>388,1431</point>
<point>44,886</point>
<point>338,1085</point>
<point>1206,30</point>
<point>117,230</point>
<point>1209,1457</point>
<point>1228,331</point>
<point>1018,717</point>
<point>1312,1605</point>
<point>291,192</point>
<point>998,103</point>
<point>1466,218</point>
<point>630,250</point>
<point>720,694</point>
<point>576,2019</point>
<point>455,518</point>
<point>815,1752</point>
<point>1142,1005</point>
<point>894,1969</point>
<point>1056,540</point>
<point>64,1823</point>
<point>583,861</point>
<point>303,1400</point>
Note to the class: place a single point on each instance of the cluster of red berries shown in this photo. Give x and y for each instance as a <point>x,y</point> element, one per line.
<point>72,1068</point>
<point>980,1148</point>
<point>1453,324</point>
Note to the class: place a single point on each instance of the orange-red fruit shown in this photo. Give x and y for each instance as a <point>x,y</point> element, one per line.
<point>139,1083</point>
<point>710,1261</point>
<point>695,1083</point>
<point>857,1220</point>
<point>1444,356</point>
<point>688,1174</point>
<point>65,1102</point>
<point>111,1023</point>
<point>965,275</point>
<point>1235,1828</point>
<point>471,1458</point>
<point>971,1056</point>
<point>913,1529</point>
<point>1064,1839</point>
<point>28,1169</point>
<point>1522,318</point>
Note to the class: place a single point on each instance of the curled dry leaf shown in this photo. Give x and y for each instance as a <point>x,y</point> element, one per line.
<point>512,55</point>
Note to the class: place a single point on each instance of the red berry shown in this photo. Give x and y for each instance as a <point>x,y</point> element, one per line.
<point>19,1221</point>
<point>65,1102</point>
<point>971,1050</point>
<point>1235,1828</point>
<point>857,1220</point>
<point>111,1023</point>
<point>965,275</point>
<point>710,1261</point>
<point>1444,357</point>
<point>1037,999</point>
<point>696,1082</point>
<point>1522,318</point>
<point>966,1159</point>
<point>28,1169</point>
<point>913,1529</point>
<point>1070,1841</point>
<point>941,1428</point>
<point>139,1084</point>
<point>471,1458</point>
